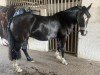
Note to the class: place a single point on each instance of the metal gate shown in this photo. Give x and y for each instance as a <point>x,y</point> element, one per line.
<point>53,6</point>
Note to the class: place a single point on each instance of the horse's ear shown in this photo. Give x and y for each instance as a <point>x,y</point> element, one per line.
<point>89,6</point>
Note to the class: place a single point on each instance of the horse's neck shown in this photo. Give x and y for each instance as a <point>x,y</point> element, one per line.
<point>67,19</point>
<point>69,15</point>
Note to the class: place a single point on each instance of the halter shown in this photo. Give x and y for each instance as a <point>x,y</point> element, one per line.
<point>88,16</point>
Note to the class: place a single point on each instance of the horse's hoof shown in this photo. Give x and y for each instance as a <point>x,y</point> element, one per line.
<point>30,59</point>
<point>16,66</point>
<point>64,61</point>
<point>5,42</point>
<point>19,70</point>
<point>57,55</point>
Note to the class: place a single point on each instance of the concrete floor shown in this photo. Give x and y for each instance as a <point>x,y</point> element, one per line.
<point>46,64</point>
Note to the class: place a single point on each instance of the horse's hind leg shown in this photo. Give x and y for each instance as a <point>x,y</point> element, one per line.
<point>15,55</point>
<point>14,52</point>
<point>24,49</point>
<point>16,66</point>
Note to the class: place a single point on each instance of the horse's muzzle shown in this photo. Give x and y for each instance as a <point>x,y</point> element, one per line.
<point>83,32</point>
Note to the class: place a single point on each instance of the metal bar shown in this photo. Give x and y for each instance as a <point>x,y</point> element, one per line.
<point>72,4</point>
<point>55,8</point>
<point>75,38</point>
<point>58,5</point>
<point>68,44</point>
<point>61,4</point>
<point>68,3</point>
<point>56,44</point>
<point>65,5</point>
<point>51,7</point>
<point>53,44</point>
<point>50,45</point>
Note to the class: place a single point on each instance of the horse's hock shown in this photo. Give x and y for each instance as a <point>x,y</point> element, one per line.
<point>49,7</point>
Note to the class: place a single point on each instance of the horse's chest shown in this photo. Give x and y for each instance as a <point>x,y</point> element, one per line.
<point>70,29</point>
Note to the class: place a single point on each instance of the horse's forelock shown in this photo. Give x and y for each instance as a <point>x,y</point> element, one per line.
<point>86,11</point>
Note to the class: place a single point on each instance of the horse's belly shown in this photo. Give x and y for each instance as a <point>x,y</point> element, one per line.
<point>39,36</point>
<point>46,31</point>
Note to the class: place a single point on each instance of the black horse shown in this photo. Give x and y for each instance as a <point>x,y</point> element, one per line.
<point>6,15</point>
<point>44,28</point>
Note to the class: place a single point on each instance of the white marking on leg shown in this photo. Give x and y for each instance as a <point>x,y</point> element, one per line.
<point>57,55</point>
<point>64,61</point>
<point>15,65</point>
<point>0,41</point>
<point>4,42</point>
<point>32,61</point>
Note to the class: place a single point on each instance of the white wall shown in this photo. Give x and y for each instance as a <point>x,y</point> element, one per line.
<point>89,46</point>
<point>38,45</point>
<point>2,2</point>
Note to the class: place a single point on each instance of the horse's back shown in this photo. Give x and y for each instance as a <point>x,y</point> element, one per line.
<point>40,27</point>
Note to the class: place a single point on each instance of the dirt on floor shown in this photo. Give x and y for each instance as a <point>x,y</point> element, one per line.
<point>46,64</point>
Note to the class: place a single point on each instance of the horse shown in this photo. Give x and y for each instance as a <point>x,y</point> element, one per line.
<point>6,15</point>
<point>45,28</point>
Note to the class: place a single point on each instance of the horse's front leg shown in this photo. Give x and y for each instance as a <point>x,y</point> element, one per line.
<point>24,49</point>
<point>14,50</point>
<point>57,53</point>
<point>62,42</point>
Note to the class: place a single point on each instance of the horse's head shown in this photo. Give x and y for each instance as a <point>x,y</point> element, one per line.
<point>83,18</point>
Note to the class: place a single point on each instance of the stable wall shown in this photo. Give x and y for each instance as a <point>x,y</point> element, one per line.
<point>89,45</point>
<point>2,2</point>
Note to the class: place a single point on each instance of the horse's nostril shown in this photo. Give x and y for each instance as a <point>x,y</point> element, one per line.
<point>83,32</point>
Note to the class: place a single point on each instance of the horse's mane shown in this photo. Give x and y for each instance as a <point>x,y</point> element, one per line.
<point>10,11</point>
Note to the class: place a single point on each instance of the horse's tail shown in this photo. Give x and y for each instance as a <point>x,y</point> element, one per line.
<point>14,47</point>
